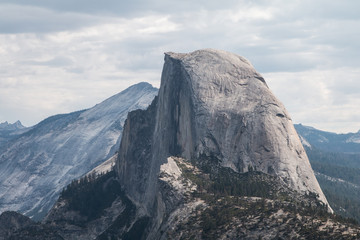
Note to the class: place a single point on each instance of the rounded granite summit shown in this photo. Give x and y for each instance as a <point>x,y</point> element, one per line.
<point>214,103</point>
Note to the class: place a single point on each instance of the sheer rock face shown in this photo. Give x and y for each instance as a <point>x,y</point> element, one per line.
<point>214,103</point>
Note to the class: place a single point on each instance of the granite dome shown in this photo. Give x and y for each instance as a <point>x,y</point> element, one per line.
<point>212,103</point>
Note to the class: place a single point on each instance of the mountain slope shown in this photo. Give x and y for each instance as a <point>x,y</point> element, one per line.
<point>36,165</point>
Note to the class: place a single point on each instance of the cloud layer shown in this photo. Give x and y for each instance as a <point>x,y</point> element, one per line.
<point>61,56</point>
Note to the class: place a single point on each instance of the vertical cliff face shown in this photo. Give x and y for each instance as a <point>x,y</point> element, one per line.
<point>212,103</point>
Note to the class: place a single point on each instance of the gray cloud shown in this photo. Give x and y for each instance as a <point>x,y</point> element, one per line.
<point>32,19</point>
<point>124,8</point>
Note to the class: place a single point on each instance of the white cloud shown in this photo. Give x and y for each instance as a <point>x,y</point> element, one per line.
<point>70,70</point>
<point>326,99</point>
<point>250,14</point>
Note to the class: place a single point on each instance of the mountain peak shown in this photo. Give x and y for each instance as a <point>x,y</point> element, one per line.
<point>212,103</point>
<point>19,125</point>
<point>141,86</point>
<point>14,126</point>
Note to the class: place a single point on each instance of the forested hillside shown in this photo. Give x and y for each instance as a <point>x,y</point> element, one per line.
<point>335,158</point>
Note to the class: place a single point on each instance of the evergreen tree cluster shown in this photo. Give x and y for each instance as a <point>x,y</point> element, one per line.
<point>92,194</point>
<point>339,179</point>
<point>252,199</point>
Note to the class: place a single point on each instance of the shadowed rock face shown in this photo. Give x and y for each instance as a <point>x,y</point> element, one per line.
<point>212,103</point>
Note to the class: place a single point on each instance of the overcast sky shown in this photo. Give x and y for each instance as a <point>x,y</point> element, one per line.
<point>61,56</point>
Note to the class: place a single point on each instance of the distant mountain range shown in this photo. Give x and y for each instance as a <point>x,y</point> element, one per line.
<point>9,131</point>
<point>5,126</point>
<point>329,141</point>
<point>335,158</point>
<point>37,163</point>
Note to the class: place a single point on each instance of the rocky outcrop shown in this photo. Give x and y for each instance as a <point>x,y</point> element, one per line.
<point>211,103</point>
